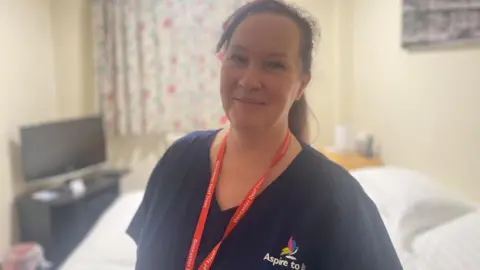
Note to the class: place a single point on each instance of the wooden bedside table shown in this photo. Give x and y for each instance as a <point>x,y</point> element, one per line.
<point>351,161</point>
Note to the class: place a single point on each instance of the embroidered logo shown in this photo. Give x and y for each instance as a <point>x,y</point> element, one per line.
<point>287,257</point>
<point>290,250</point>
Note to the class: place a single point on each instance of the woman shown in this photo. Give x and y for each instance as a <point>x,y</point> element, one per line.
<point>256,196</point>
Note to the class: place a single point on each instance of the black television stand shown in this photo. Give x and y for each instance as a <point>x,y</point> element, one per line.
<point>59,224</point>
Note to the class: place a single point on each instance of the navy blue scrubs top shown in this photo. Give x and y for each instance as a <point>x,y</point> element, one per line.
<point>314,216</point>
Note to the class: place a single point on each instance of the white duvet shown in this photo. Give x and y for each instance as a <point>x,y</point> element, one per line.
<point>107,247</point>
<point>430,229</point>
<point>455,245</point>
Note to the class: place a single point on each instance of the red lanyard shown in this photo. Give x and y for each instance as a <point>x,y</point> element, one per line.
<point>241,210</point>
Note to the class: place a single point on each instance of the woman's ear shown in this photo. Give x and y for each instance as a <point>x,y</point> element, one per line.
<point>304,80</point>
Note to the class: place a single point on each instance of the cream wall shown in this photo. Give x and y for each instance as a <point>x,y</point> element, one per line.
<point>423,106</point>
<point>27,89</point>
<point>73,57</point>
<point>344,19</point>
<point>330,88</point>
<point>322,90</point>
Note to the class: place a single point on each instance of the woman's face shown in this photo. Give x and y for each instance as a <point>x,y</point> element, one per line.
<point>261,73</point>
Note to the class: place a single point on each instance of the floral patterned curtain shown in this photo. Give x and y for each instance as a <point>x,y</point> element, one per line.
<point>155,65</point>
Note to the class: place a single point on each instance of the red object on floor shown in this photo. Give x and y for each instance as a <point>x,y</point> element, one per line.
<point>24,256</point>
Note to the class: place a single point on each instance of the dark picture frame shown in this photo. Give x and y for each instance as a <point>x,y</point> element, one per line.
<point>428,23</point>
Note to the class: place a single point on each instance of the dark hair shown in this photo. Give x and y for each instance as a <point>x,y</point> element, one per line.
<point>297,117</point>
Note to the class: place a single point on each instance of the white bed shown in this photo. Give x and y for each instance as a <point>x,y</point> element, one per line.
<point>107,247</point>
<point>431,229</point>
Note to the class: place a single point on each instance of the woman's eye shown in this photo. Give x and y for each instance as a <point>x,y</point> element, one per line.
<point>275,65</point>
<point>238,59</point>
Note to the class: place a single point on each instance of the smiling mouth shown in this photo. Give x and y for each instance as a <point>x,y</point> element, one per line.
<point>249,101</point>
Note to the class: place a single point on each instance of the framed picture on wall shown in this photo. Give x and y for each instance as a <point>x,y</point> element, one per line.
<point>428,23</point>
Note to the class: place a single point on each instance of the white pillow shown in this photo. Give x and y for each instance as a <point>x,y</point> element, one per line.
<point>454,245</point>
<point>409,201</point>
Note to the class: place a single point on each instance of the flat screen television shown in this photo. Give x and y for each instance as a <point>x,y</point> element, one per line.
<point>59,148</point>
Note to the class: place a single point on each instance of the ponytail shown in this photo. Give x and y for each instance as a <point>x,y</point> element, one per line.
<point>298,119</point>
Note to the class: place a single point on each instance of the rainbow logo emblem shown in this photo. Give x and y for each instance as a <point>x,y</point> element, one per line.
<point>290,250</point>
